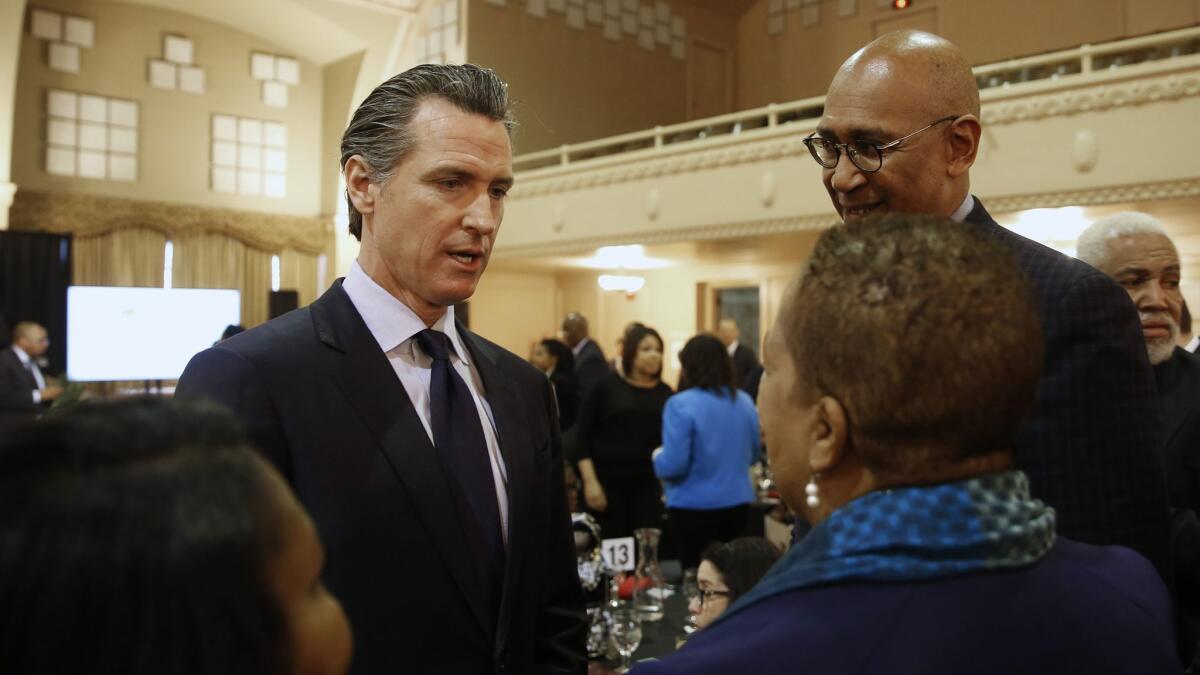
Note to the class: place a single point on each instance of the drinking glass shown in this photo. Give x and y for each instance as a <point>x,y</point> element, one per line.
<point>691,591</point>
<point>626,634</point>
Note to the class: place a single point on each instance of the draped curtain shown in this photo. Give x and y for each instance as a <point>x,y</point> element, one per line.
<point>298,271</point>
<point>214,260</point>
<point>128,257</point>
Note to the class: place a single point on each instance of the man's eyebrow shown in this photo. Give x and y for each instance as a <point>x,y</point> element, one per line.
<point>464,174</point>
<point>855,133</point>
<point>1134,270</point>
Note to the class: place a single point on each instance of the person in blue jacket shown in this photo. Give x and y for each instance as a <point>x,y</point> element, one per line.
<point>710,438</point>
<point>898,373</point>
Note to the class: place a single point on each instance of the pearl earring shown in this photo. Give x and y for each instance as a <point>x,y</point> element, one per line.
<point>813,498</point>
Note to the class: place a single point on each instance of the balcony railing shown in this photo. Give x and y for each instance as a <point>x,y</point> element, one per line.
<point>1052,66</point>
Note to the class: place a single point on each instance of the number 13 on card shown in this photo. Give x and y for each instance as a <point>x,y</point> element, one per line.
<point>618,554</point>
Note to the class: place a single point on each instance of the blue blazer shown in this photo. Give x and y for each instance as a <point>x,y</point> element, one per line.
<point>709,442</point>
<point>1081,609</point>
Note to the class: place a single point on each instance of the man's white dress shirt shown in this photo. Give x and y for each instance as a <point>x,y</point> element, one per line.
<point>33,369</point>
<point>395,326</point>
<point>580,345</point>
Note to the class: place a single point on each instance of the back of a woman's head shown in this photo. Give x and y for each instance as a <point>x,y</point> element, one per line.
<point>564,357</point>
<point>706,365</point>
<point>741,562</point>
<point>133,539</point>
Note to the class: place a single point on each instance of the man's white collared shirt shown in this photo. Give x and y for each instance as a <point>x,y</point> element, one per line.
<point>33,369</point>
<point>580,345</point>
<point>964,209</point>
<point>395,326</point>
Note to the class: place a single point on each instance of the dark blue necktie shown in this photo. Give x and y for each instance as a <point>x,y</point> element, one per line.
<point>462,449</point>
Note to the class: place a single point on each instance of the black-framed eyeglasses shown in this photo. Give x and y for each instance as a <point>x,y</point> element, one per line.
<point>707,594</point>
<point>865,155</point>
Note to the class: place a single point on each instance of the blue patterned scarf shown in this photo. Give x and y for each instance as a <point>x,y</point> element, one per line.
<point>913,533</point>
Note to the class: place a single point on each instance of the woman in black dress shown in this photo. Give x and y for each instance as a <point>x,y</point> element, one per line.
<point>555,359</point>
<point>619,425</point>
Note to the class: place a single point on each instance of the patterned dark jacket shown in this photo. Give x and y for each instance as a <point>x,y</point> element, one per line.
<point>1092,447</point>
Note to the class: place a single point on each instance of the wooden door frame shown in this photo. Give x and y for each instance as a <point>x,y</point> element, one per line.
<point>706,303</point>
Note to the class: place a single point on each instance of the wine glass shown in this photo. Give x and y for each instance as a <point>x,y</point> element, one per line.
<point>626,634</point>
<point>691,591</point>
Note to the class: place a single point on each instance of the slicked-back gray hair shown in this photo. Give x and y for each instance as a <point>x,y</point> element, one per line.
<point>1092,245</point>
<point>379,131</point>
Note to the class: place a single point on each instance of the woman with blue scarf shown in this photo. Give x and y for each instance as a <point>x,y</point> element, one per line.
<point>899,369</point>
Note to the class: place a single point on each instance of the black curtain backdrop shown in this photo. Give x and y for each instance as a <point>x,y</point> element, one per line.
<point>35,271</point>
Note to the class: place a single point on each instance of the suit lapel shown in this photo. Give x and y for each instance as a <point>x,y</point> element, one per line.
<point>364,376</point>
<point>518,461</point>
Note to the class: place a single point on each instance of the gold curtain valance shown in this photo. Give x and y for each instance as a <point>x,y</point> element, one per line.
<point>91,215</point>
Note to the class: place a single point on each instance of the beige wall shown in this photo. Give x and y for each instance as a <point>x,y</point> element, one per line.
<point>574,85</point>
<point>515,309</point>
<point>800,62</point>
<point>174,127</point>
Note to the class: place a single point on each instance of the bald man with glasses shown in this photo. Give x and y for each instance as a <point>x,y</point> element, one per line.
<point>900,132</point>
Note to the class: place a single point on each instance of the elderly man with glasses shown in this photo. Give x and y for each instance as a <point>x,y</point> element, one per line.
<point>900,133</point>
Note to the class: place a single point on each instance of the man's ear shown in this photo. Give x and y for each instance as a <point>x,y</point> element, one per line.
<point>965,133</point>
<point>830,434</point>
<point>357,174</point>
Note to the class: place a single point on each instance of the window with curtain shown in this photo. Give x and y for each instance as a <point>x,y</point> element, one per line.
<point>215,260</point>
<point>126,257</point>
<point>298,271</point>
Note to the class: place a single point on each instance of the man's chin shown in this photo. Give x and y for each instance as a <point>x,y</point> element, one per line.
<point>1160,350</point>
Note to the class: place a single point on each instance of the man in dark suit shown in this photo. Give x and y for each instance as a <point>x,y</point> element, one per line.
<point>590,365</point>
<point>428,456</point>
<point>23,389</point>
<point>744,358</point>
<point>1134,249</point>
<point>900,131</point>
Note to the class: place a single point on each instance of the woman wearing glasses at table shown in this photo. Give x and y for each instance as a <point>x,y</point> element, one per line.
<point>727,570</point>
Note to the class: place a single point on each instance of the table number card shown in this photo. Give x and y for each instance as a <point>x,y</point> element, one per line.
<point>619,554</point>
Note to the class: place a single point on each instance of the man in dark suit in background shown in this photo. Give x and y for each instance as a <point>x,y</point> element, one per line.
<point>1135,250</point>
<point>590,365</point>
<point>429,458</point>
<point>900,131</point>
<point>23,389</point>
<point>744,358</point>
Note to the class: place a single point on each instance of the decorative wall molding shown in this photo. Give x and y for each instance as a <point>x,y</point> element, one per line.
<point>65,37</point>
<point>750,228</point>
<point>648,24</point>
<point>1111,194</point>
<point>1093,99</point>
<point>1000,108</point>
<point>91,215</point>
<point>732,154</point>
<point>1177,189</point>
